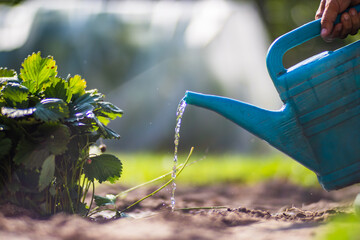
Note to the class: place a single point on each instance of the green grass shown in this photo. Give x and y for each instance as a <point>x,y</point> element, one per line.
<point>213,169</point>
<point>342,227</point>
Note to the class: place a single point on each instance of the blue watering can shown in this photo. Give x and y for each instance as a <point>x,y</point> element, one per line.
<point>319,124</point>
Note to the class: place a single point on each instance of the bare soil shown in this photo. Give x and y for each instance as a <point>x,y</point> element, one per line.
<point>271,210</point>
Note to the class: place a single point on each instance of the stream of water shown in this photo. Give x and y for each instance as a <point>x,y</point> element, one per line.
<point>179,114</point>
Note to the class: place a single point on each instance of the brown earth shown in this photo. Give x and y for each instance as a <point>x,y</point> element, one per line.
<point>271,210</point>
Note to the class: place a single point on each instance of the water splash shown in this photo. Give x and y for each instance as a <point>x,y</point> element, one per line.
<point>179,114</point>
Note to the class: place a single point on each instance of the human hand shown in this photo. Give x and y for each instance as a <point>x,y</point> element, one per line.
<point>349,21</point>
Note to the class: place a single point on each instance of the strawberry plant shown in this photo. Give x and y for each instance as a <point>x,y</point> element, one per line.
<point>47,125</point>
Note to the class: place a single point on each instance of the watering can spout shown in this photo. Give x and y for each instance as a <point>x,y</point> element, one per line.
<point>278,128</point>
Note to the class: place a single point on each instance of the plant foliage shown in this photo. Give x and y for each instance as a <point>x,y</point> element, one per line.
<point>47,125</point>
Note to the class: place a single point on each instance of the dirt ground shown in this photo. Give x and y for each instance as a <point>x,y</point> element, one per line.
<point>271,210</point>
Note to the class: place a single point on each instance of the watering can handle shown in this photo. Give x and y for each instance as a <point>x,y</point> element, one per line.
<point>290,40</point>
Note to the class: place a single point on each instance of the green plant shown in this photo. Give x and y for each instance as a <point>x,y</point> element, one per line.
<point>47,125</point>
<point>109,200</point>
<point>343,226</point>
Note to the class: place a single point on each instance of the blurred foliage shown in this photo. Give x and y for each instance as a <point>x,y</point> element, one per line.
<point>10,2</point>
<point>282,16</point>
<point>70,43</point>
<point>345,227</point>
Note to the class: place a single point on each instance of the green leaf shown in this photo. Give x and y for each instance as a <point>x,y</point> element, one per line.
<point>59,88</point>
<point>55,137</point>
<point>52,190</point>
<point>51,109</point>
<point>109,199</point>
<point>108,110</point>
<point>90,97</point>
<point>82,106</point>
<point>47,172</point>
<point>5,147</point>
<point>105,167</point>
<point>17,113</point>
<point>103,120</point>
<point>78,112</point>
<point>77,86</point>
<point>106,132</point>
<point>8,75</point>
<point>31,154</point>
<point>37,70</point>
<point>15,95</point>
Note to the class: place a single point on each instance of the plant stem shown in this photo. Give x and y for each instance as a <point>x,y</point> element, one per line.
<point>146,183</point>
<point>92,197</point>
<point>86,189</point>
<point>93,211</point>
<point>68,193</point>
<point>185,163</point>
<point>163,186</point>
<point>55,199</point>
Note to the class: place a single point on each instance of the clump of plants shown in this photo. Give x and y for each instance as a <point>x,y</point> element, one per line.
<point>47,125</point>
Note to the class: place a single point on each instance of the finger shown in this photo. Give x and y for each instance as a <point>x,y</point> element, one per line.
<point>332,9</point>
<point>320,10</point>
<point>328,18</point>
<point>346,25</point>
<point>335,33</point>
<point>354,2</point>
<point>355,21</point>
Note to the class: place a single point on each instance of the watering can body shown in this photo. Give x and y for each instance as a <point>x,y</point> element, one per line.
<point>319,124</point>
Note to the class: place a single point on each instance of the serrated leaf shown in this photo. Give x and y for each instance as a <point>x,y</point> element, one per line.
<point>77,86</point>
<point>8,75</point>
<point>103,120</point>
<point>47,172</point>
<point>31,154</point>
<point>78,112</point>
<point>37,70</point>
<point>109,199</point>
<point>106,132</point>
<point>58,88</point>
<point>51,109</point>
<point>90,97</point>
<point>108,110</point>
<point>55,137</point>
<point>17,113</point>
<point>15,95</point>
<point>105,167</point>
<point>84,104</point>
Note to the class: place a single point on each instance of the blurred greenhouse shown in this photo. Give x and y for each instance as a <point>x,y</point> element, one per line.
<point>144,55</point>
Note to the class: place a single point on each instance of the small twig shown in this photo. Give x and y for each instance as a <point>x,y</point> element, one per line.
<point>200,208</point>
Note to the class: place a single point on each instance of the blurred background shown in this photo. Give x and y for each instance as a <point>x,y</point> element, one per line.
<point>144,55</point>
